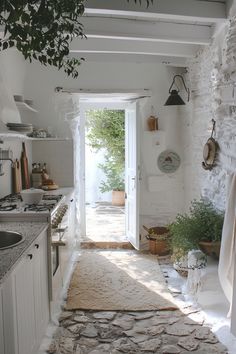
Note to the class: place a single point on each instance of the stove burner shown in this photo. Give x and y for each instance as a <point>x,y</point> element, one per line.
<point>11,198</point>
<point>39,207</point>
<point>56,197</point>
<point>8,207</point>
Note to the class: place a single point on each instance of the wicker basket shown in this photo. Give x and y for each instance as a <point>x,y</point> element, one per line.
<point>158,237</point>
<point>181,266</point>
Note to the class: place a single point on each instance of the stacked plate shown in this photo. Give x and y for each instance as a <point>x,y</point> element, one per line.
<point>20,127</point>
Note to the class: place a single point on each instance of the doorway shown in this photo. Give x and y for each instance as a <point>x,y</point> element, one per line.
<point>100,219</point>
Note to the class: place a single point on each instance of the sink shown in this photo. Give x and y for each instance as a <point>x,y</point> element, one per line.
<point>10,239</point>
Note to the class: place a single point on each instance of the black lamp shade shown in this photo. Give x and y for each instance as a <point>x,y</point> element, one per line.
<point>174,99</point>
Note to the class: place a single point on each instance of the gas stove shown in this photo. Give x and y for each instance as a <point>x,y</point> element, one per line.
<point>12,206</point>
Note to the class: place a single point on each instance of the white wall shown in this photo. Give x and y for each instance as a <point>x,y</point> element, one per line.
<point>158,207</point>
<point>12,72</point>
<point>58,155</point>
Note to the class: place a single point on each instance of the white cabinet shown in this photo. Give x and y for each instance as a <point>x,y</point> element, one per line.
<point>69,239</point>
<point>23,279</point>
<point>2,350</point>
<point>26,301</point>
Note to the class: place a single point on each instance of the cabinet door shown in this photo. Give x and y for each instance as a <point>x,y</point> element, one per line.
<point>25,312</point>
<point>70,242</point>
<point>2,349</point>
<point>41,298</point>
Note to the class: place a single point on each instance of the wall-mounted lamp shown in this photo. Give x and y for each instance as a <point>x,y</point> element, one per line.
<point>174,99</point>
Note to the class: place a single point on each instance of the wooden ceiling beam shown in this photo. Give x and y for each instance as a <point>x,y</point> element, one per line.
<point>116,46</point>
<point>177,10</point>
<point>153,31</point>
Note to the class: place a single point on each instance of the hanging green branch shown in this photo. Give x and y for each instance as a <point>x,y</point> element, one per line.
<point>43,30</point>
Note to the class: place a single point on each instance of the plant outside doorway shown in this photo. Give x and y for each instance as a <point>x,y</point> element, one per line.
<point>105,170</point>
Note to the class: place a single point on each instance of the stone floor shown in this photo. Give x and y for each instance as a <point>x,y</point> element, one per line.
<point>83,332</point>
<point>180,331</point>
<point>105,223</point>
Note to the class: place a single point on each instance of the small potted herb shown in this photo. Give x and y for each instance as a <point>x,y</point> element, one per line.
<point>200,229</point>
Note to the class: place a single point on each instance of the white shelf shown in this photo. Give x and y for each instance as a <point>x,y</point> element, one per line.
<point>13,136</point>
<point>18,136</point>
<point>49,139</point>
<point>25,107</point>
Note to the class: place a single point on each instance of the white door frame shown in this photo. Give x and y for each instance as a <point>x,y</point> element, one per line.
<point>132,178</point>
<point>84,106</point>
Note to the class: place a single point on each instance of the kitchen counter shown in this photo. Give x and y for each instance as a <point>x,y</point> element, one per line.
<point>66,191</point>
<point>11,256</point>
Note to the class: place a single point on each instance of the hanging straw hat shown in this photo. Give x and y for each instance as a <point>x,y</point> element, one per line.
<point>209,153</point>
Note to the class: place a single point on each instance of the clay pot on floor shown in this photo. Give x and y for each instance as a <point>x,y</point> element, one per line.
<point>118,198</point>
<point>209,248</point>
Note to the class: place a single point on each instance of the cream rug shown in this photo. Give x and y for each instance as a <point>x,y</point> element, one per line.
<point>118,280</point>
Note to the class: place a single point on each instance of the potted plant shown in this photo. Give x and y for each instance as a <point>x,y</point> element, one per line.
<point>200,229</point>
<point>106,131</point>
<point>114,182</point>
<point>159,240</point>
<point>183,239</point>
<point>210,222</point>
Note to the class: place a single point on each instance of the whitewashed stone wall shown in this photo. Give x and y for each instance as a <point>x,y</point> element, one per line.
<point>210,77</point>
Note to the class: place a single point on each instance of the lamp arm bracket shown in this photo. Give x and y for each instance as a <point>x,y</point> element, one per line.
<point>173,82</point>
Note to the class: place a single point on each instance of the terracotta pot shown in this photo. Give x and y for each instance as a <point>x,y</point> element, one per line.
<point>211,249</point>
<point>118,198</point>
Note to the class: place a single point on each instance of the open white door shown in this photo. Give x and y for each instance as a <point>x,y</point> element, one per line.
<point>132,175</point>
<point>81,171</point>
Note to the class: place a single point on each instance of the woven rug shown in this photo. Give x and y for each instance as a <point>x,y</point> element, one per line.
<point>118,280</point>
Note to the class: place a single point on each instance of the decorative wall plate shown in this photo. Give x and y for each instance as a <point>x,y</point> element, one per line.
<point>168,161</point>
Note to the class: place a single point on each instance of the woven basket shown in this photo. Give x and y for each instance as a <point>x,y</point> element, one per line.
<point>158,237</point>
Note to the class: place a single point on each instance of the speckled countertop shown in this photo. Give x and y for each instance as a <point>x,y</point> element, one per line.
<point>11,256</point>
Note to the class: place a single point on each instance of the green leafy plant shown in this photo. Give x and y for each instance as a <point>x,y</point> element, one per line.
<point>43,30</point>
<point>203,222</point>
<point>208,220</point>
<point>114,177</point>
<point>106,130</point>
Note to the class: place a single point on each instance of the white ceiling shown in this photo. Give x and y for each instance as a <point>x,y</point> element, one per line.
<point>168,31</point>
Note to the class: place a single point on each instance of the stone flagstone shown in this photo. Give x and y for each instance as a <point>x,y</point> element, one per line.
<point>155,330</point>
<point>104,315</point>
<point>90,331</point>
<point>170,349</point>
<point>150,345</point>
<point>179,330</point>
<point>188,343</point>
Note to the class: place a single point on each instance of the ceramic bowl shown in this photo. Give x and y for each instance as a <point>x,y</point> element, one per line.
<point>32,196</point>
<point>18,98</point>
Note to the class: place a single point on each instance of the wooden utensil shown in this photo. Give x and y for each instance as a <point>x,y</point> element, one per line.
<point>18,171</point>
<point>13,175</point>
<point>16,177</point>
<point>24,168</point>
